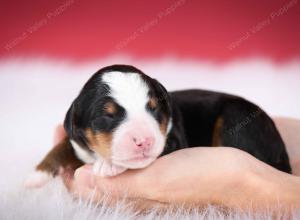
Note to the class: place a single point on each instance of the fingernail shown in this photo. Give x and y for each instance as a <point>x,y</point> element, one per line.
<point>84,176</point>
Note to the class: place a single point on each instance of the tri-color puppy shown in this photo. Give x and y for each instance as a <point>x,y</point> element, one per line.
<point>123,119</point>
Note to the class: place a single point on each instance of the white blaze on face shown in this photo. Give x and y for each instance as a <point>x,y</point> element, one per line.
<point>131,92</point>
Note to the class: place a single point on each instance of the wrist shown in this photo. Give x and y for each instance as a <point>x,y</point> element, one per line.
<point>273,188</point>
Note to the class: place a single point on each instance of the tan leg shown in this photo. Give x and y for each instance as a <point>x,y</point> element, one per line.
<point>60,158</point>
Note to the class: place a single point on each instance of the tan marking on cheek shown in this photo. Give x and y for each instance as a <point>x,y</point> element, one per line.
<point>216,137</point>
<point>152,103</point>
<point>110,108</point>
<point>100,142</point>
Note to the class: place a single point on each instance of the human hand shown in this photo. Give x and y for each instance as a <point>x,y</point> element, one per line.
<point>195,176</point>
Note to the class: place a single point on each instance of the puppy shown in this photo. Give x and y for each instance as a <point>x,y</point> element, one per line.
<point>123,119</point>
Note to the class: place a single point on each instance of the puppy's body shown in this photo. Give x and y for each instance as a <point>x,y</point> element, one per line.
<point>218,119</point>
<point>123,119</point>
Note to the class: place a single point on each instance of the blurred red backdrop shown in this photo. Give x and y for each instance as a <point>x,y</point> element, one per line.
<point>210,30</point>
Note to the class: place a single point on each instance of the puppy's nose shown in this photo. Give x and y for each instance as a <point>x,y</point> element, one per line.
<point>144,143</point>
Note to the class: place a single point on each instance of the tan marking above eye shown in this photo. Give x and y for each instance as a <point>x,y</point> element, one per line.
<point>110,108</point>
<point>100,142</point>
<point>163,125</point>
<point>152,103</point>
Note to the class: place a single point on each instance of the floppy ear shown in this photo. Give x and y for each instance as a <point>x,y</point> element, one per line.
<point>165,96</point>
<point>160,86</point>
<point>161,89</point>
<point>69,122</point>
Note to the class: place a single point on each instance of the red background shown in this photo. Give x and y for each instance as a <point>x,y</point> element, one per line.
<point>194,29</point>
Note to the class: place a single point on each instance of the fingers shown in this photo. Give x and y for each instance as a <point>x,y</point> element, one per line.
<point>68,178</point>
<point>78,189</point>
<point>84,184</point>
<point>59,134</point>
<point>126,184</point>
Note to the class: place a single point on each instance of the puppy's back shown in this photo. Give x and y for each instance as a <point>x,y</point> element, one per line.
<point>218,119</point>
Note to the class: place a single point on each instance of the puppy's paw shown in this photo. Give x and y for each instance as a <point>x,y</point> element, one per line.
<point>37,179</point>
<point>106,169</point>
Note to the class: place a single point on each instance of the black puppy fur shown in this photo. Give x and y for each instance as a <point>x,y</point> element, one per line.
<point>199,118</point>
<point>243,125</point>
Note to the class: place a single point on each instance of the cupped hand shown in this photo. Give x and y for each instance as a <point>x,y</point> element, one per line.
<point>193,176</point>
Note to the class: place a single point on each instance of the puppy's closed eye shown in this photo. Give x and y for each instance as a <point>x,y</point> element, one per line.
<point>110,109</point>
<point>152,104</point>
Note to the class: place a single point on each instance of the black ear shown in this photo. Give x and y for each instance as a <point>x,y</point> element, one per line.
<point>69,122</point>
<point>160,86</point>
<point>164,94</point>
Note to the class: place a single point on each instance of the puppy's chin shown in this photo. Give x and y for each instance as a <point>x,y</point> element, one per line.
<point>135,162</point>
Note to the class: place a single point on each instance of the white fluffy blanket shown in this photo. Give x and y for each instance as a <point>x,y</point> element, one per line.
<point>35,94</point>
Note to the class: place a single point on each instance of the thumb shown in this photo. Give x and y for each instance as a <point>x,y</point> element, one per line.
<point>59,134</point>
<point>128,183</point>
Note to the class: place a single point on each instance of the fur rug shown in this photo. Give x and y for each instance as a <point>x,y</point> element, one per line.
<point>35,94</point>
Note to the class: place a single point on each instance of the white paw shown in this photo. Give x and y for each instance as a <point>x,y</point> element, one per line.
<point>104,168</point>
<point>37,179</point>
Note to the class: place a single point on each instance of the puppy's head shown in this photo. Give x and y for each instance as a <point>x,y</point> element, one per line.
<point>121,115</point>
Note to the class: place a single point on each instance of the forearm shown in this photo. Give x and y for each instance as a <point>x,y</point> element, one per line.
<point>265,188</point>
<point>280,188</point>
<point>289,130</point>
<point>270,187</point>
<point>247,184</point>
